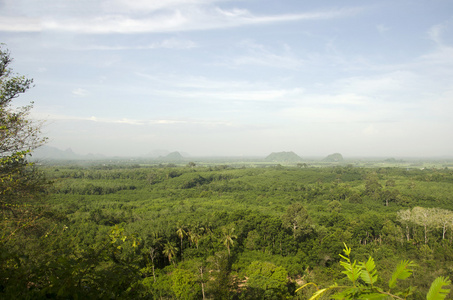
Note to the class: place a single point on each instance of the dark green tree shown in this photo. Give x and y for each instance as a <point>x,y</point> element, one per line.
<point>227,238</point>
<point>22,215</point>
<point>181,234</point>
<point>19,136</point>
<point>170,251</point>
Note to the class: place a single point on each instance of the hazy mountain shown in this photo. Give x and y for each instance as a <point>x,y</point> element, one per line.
<point>283,157</point>
<point>173,156</point>
<point>336,157</point>
<point>158,153</point>
<point>48,152</point>
<point>52,153</point>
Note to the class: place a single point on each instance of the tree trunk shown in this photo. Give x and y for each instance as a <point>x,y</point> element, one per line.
<point>202,283</point>
<point>181,249</point>
<point>426,235</point>
<point>151,253</point>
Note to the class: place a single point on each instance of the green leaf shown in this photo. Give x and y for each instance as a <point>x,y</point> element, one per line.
<point>373,296</point>
<point>368,273</point>
<point>351,270</point>
<point>346,250</point>
<point>305,285</point>
<point>347,294</point>
<point>436,291</point>
<point>403,271</point>
<point>318,294</point>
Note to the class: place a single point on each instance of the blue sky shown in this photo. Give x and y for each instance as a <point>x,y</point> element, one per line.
<point>244,77</point>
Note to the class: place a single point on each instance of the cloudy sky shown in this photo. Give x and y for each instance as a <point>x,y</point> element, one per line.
<point>243,77</point>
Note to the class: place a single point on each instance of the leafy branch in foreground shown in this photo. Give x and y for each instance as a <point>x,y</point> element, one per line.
<point>363,276</point>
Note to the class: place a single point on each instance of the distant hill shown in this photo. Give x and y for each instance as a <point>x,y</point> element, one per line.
<point>158,153</point>
<point>48,152</point>
<point>173,156</point>
<point>283,157</point>
<point>52,153</point>
<point>336,157</point>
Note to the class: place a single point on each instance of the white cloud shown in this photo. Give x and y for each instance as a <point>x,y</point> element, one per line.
<point>378,84</point>
<point>197,16</point>
<point>200,82</point>
<point>443,55</point>
<point>56,118</point>
<point>259,55</point>
<point>79,92</point>
<point>19,24</point>
<point>345,100</point>
<point>147,6</point>
<point>435,33</point>
<point>208,90</point>
<point>170,43</point>
<point>117,24</point>
<point>381,28</point>
<point>268,95</point>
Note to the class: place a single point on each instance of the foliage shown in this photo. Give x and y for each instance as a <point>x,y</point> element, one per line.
<point>437,291</point>
<point>266,281</point>
<point>363,278</point>
<point>24,220</point>
<point>189,213</point>
<point>20,182</point>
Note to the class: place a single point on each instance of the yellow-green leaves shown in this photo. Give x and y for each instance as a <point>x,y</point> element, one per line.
<point>368,272</point>
<point>403,271</point>
<point>363,277</point>
<point>352,271</point>
<point>437,291</point>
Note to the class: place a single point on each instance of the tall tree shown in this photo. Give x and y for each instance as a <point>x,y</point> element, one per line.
<point>23,219</point>
<point>228,236</point>
<point>194,237</point>
<point>405,217</point>
<point>424,217</point>
<point>170,251</point>
<point>154,243</point>
<point>444,219</point>
<point>20,182</point>
<point>297,219</point>
<point>181,234</point>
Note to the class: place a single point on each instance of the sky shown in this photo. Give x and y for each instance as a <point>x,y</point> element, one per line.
<point>237,77</point>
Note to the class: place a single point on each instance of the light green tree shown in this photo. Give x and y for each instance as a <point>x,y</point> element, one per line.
<point>266,281</point>
<point>405,217</point>
<point>424,217</point>
<point>444,219</point>
<point>184,284</point>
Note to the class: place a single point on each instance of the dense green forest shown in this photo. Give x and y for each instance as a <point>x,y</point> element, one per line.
<point>189,232</point>
<point>167,231</point>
